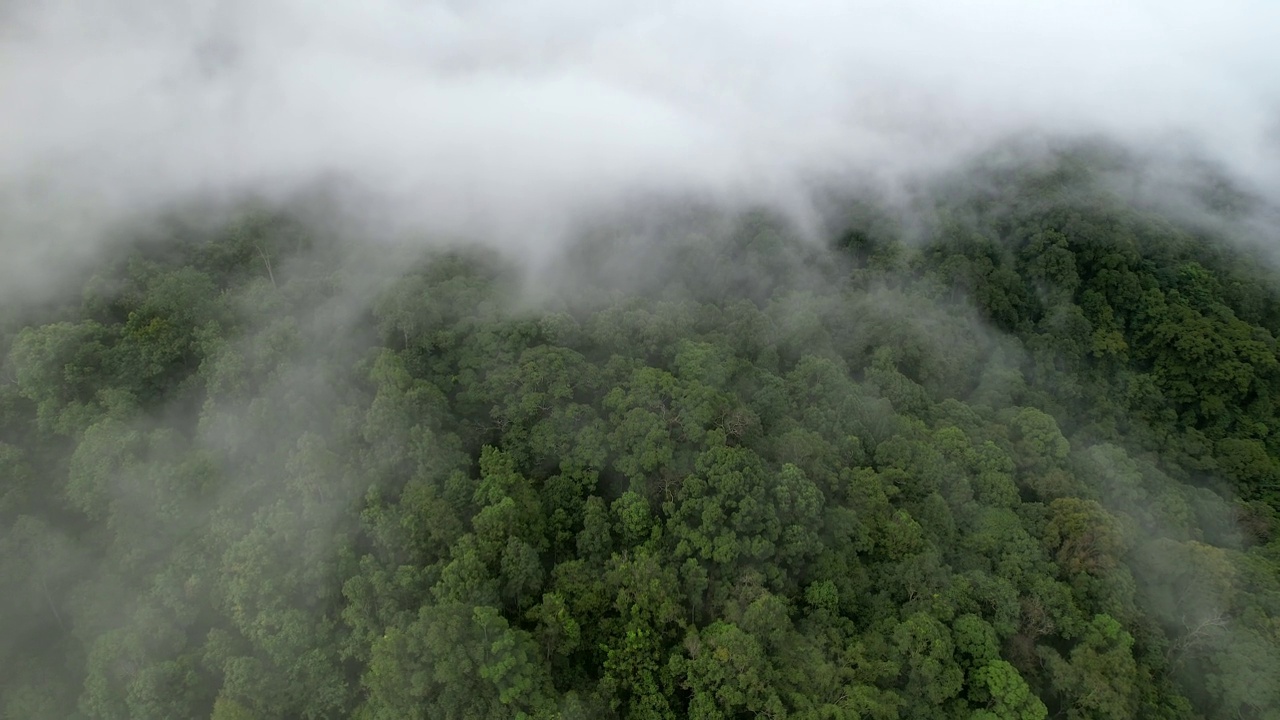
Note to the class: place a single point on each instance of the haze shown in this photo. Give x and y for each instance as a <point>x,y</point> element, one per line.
<point>504,119</point>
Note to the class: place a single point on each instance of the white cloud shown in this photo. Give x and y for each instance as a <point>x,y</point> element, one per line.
<point>502,116</point>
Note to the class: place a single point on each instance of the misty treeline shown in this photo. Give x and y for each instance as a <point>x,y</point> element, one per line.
<point>1021,464</point>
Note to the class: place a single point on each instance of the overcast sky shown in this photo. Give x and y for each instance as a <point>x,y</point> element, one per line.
<point>501,116</point>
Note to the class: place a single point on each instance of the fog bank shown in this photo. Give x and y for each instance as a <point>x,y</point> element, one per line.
<point>506,120</point>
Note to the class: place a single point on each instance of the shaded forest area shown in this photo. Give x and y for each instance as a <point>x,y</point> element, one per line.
<point>1026,468</point>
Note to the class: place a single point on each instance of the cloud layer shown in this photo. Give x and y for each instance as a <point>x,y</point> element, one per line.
<point>505,118</point>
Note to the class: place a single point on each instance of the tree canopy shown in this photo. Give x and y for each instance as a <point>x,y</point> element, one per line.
<point>1025,467</point>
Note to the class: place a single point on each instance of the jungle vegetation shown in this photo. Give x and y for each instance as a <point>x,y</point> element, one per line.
<point>1024,464</point>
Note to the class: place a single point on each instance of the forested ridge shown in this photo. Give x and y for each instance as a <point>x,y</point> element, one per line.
<point>1024,466</point>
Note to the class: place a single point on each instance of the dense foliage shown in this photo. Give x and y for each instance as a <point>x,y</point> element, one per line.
<point>1025,468</point>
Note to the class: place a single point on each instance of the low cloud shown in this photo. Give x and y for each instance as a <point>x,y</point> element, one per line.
<point>506,120</point>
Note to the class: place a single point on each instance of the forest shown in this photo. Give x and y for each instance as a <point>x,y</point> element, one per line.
<point>1019,460</point>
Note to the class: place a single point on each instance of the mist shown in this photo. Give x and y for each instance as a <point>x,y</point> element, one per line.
<point>574,236</point>
<point>506,121</point>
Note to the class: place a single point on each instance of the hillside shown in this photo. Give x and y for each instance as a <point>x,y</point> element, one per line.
<point>1022,461</point>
